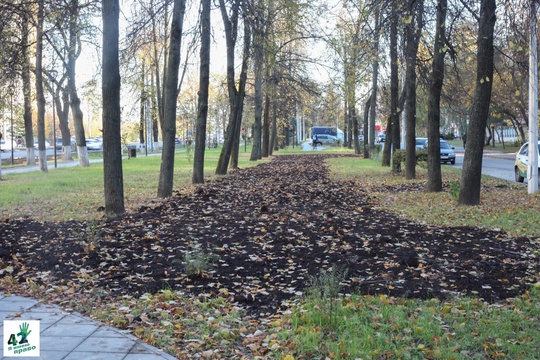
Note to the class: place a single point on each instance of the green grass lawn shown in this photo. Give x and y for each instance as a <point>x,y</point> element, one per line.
<point>77,192</point>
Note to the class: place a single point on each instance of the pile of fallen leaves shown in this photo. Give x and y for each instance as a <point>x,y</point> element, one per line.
<point>267,229</point>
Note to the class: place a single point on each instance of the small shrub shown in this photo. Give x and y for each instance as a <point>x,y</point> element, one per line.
<point>454,190</point>
<point>399,156</point>
<point>197,261</point>
<point>323,289</point>
<point>90,237</point>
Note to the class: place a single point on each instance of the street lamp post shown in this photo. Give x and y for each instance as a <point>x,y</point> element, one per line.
<point>52,75</point>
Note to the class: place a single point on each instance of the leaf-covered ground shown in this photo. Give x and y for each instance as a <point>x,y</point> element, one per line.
<point>266,230</point>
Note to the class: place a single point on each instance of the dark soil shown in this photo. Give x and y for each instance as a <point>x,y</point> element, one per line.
<point>271,228</point>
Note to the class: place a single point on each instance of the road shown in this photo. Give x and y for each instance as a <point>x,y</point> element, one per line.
<point>494,163</point>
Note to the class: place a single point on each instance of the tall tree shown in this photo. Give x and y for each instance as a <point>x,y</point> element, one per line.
<point>236,94</point>
<point>40,94</point>
<point>112,155</point>
<point>370,136</point>
<point>434,112</point>
<point>204,82</point>
<point>168,126</point>
<point>74,50</point>
<point>413,30</point>
<point>257,20</point>
<point>26,73</point>
<point>471,176</point>
<point>394,135</point>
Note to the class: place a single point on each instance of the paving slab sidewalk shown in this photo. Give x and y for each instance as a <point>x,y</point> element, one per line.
<point>71,336</point>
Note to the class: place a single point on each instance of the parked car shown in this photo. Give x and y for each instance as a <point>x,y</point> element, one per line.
<point>47,144</point>
<point>59,143</point>
<point>327,139</point>
<point>522,162</point>
<point>94,144</point>
<point>420,142</point>
<point>381,138</point>
<point>5,145</point>
<point>447,152</point>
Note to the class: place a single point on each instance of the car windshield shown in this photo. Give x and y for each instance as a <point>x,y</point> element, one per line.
<point>445,145</point>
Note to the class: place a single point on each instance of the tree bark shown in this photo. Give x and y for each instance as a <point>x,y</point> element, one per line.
<point>355,131</point>
<point>366,128</point>
<point>170,95</point>
<point>73,54</point>
<point>274,137</point>
<point>259,37</point>
<point>471,176</point>
<point>375,76</point>
<point>27,94</point>
<point>40,96</point>
<point>204,81</point>
<point>394,134</point>
<point>236,95</point>
<point>412,32</point>
<point>266,128</point>
<point>434,183</point>
<point>112,155</point>
<point>387,151</point>
<point>62,111</point>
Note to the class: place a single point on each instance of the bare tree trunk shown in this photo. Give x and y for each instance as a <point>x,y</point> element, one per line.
<point>157,70</point>
<point>112,155</point>
<point>434,183</point>
<point>387,151</point>
<point>73,54</point>
<point>366,128</point>
<point>355,132</point>
<point>274,137</point>
<point>42,150</point>
<point>204,81</point>
<point>236,96</point>
<point>62,110</point>
<point>374,81</point>
<point>412,32</point>
<point>394,91</point>
<point>143,109</point>
<point>170,95</point>
<point>266,128</point>
<point>27,94</point>
<point>471,180</point>
<point>259,37</point>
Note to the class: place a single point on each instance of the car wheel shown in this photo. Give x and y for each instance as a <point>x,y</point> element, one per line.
<point>453,162</point>
<point>519,178</point>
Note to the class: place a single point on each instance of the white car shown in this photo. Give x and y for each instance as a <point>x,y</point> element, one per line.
<point>5,145</point>
<point>36,144</point>
<point>94,144</point>
<point>327,139</point>
<point>522,162</point>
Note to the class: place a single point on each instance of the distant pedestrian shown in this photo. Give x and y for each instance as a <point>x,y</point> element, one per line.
<point>315,140</point>
<point>464,138</point>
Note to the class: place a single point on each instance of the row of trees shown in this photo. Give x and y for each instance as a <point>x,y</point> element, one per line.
<point>440,59</point>
<point>396,59</point>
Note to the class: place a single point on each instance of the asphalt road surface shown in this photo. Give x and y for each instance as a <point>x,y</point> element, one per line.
<point>494,163</point>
